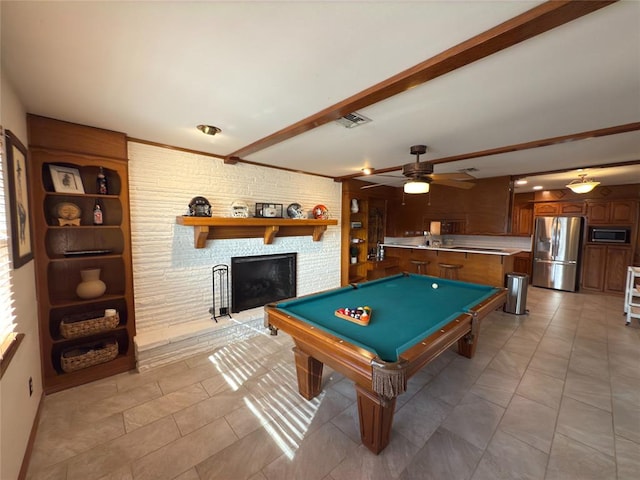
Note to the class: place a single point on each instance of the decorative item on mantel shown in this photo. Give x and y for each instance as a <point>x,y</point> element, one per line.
<point>295,210</point>
<point>320,212</point>
<point>269,210</point>
<point>354,205</point>
<point>199,207</point>
<point>239,209</point>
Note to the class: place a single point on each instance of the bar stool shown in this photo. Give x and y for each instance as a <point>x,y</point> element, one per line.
<point>420,264</point>
<point>449,270</point>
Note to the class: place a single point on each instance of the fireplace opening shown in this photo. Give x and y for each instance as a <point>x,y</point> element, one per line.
<point>261,279</point>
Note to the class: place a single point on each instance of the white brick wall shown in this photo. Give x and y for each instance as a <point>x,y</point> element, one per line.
<point>172,279</point>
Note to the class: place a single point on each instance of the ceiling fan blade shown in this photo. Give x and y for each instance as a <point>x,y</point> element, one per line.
<point>453,183</point>
<point>452,176</point>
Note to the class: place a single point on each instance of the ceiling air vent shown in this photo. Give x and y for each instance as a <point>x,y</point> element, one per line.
<point>351,120</point>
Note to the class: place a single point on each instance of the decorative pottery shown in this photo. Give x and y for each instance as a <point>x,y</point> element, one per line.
<point>91,285</point>
<point>354,251</point>
<point>354,205</point>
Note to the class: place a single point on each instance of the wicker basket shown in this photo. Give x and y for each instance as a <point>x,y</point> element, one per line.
<point>72,328</point>
<point>88,355</point>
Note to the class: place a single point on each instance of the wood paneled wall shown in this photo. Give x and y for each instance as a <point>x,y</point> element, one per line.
<point>483,209</point>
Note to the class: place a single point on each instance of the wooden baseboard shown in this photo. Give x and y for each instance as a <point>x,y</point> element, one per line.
<point>32,438</point>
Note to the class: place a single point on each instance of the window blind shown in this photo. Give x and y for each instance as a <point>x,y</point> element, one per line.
<point>7,316</point>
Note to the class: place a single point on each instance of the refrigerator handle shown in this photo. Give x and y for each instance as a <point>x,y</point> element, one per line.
<point>554,237</point>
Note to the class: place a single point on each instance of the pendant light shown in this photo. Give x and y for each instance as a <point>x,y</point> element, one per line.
<point>582,185</point>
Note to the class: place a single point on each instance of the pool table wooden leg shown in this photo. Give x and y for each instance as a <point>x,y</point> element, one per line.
<point>467,345</point>
<point>376,416</point>
<point>309,371</point>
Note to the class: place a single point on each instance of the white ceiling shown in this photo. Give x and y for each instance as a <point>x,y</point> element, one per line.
<point>155,70</point>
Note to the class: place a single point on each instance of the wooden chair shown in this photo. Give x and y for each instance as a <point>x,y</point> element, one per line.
<point>420,266</point>
<point>449,270</point>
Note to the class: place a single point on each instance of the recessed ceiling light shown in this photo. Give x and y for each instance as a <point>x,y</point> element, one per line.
<point>538,187</point>
<point>368,170</point>
<point>209,129</point>
<point>521,182</point>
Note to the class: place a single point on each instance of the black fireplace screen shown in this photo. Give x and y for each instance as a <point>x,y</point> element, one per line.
<point>258,280</point>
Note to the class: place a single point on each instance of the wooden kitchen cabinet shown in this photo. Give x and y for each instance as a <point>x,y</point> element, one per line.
<point>618,259</point>
<point>541,209</point>
<point>604,268</point>
<point>624,212</point>
<point>618,212</point>
<point>559,208</point>
<point>571,208</point>
<point>598,212</point>
<point>593,267</point>
<point>522,263</point>
<point>522,223</point>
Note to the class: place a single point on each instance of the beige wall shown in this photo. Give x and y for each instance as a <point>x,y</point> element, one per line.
<point>17,408</point>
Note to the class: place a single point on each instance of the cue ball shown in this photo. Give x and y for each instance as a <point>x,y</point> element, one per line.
<point>434,285</point>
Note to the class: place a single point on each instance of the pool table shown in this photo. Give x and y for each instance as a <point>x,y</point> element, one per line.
<point>414,319</point>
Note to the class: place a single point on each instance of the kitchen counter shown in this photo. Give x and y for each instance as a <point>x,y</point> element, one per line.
<point>459,249</point>
<point>481,264</point>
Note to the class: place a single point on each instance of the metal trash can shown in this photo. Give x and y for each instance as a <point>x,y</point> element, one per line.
<point>516,293</point>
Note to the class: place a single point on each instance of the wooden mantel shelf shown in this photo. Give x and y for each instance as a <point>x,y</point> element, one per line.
<point>205,228</point>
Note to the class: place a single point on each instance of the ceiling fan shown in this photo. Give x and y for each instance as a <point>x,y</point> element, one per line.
<point>420,175</point>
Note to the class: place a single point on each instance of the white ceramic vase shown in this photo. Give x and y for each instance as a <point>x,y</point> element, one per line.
<point>354,205</point>
<point>91,285</point>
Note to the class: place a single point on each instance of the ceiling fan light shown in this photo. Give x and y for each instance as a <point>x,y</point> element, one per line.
<point>416,186</point>
<point>582,185</point>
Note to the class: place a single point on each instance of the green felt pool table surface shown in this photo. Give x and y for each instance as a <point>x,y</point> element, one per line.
<point>405,309</point>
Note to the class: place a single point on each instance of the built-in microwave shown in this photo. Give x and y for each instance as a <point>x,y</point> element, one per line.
<point>609,234</point>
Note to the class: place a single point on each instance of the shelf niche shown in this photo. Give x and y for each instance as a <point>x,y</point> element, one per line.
<point>218,228</point>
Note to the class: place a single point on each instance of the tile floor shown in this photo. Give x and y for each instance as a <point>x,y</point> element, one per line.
<point>551,395</point>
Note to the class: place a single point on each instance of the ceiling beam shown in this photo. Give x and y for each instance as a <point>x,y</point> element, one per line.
<point>544,142</point>
<point>563,170</point>
<point>540,19</point>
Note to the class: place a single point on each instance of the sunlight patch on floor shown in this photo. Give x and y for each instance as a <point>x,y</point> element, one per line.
<point>233,366</point>
<point>284,414</point>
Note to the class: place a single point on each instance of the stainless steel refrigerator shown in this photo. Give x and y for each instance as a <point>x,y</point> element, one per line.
<point>556,252</point>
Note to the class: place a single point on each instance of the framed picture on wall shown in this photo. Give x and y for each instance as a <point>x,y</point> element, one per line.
<point>66,179</point>
<point>18,175</point>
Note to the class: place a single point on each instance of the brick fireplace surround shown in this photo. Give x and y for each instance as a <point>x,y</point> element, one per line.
<point>172,279</point>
